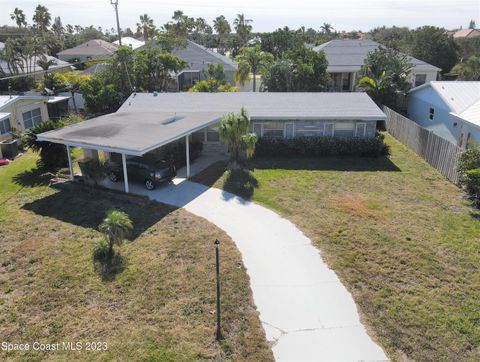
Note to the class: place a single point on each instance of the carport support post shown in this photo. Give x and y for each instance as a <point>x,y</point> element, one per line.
<point>187,150</point>
<point>70,166</point>
<point>125,175</point>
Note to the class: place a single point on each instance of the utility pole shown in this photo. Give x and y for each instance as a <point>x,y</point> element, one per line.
<point>218,335</point>
<point>115,5</point>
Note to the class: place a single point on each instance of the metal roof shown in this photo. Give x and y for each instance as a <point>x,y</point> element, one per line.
<point>6,101</point>
<point>131,42</point>
<point>32,66</point>
<point>147,121</point>
<point>349,55</point>
<point>4,115</point>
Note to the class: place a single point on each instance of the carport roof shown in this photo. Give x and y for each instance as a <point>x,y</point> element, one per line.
<point>132,133</point>
<point>147,121</point>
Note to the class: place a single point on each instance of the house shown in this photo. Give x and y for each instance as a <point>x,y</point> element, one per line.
<point>449,109</point>
<point>22,66</point>
<point>198,58</point>
<point>25,112</point>
<point>130,42</point>
<point>465,33</point>
<point>148,121</point>
<point>92,49</point>
<point>346,57</point>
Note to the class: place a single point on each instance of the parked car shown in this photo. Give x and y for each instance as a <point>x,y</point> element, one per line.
<point>150,173</point>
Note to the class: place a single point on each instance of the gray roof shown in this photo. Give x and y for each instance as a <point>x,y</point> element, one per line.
<point>92,48</point>
<point>94,69</point>
<point>32,66</point>
<point>198,57</point>
<point>145,121</point>
<point>349,55</point>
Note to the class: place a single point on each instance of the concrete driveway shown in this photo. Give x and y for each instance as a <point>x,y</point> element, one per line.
<point>306,312</point>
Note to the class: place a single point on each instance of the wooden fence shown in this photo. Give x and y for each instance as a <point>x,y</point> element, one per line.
<point>437,151</point>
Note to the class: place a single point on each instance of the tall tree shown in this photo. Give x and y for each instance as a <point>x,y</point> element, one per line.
<point>385,76</point>
<point>41,18</point>
<point>472,24</point>
<point>19,16</point>
<point>181,25</point>
<point>243,29</point>
<point>222,27</point>
<point>468,69</point>
<point>435,46</point>
<point>146,27</point>
<point>253,61</point>
<point>57,26</point>
<point>281,40</point>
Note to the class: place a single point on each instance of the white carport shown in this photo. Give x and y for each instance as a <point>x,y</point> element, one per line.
<point>131,133</point>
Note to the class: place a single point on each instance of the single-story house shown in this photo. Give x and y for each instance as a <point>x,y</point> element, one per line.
<point>148,121</point>
<point>130,42</point>
<point>25,112</point>
<point>198,58</point>
<point>346,57</point>
<point>449,109</point>
<point>22,66</point>
<point>92,49</point>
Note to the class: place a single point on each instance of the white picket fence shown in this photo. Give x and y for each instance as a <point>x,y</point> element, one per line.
<point>437,151</point>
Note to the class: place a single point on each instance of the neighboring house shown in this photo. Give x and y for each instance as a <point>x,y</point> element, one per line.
<point>130,42</point>
<point>346,57</point>
<point>466,33</point>
<point>94,69</point>
<point>25,112</point>
<point>31,66</point>
<point>449,109</point>
<point>198,58</point>
<point>92,49</point>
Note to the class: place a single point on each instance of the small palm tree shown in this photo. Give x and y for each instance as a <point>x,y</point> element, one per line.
<point>146,26</point>
<point>45,63</point>
<point>115,227</point>
<point>326,28</point>
<point>233,131</point>
<point>252,60</point>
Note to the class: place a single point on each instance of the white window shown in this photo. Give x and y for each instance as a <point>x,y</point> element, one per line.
<point>360,129</point>
<point>273,129</point>
<point>420,79</point>
<point>329,129</point>
<point>289,130</point>
<point>5,126</point>
<point>32,118</point>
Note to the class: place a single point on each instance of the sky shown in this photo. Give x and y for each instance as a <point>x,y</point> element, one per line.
<point>267,15</point>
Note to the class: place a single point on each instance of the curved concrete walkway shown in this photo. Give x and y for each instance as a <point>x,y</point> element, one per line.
<point>306,312</point>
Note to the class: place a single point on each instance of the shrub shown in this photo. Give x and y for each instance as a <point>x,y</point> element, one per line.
<point>469,169</point>
<point>322,146</point>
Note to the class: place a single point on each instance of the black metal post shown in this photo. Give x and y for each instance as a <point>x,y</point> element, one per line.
<point>218,335</point>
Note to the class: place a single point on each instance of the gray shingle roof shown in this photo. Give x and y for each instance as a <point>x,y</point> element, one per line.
<point>198,57</point>
<point>349,55</point>
<point>92,48</point>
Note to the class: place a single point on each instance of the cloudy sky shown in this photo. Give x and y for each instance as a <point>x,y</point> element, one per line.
<point>266,14</point>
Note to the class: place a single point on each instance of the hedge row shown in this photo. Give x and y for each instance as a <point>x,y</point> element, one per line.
<point>322,146</point>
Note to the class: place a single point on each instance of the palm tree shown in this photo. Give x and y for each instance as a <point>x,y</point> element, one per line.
<point>57,26</point>
<point>243,28</point>
<point>146,26</point>
<point>19,17</point>
<point>233,131</point>
<point>326,28</point>
<point>45,63</point>
<point>42,18</point>
<point>115,227</point>
<point>222,27</point>
<point>252,60</point>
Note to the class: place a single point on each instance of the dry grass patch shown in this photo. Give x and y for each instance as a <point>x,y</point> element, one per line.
<point>158,305</point>
<point>401,237</point>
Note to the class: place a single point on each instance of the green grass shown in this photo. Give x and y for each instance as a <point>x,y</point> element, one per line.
<point>401,237</point>
<point>154,302</point>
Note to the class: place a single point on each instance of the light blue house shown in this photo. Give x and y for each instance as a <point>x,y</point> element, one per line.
<point>449,109</point>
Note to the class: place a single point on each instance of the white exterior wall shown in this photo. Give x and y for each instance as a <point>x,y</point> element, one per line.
<point>431,75</point>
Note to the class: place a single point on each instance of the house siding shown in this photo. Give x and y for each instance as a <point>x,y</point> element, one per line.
<point>16,111</point>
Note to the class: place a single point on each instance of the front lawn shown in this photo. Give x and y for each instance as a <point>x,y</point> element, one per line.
<point>156,302</point>
<point>399,235</point>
